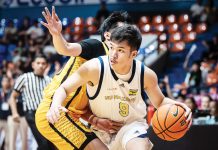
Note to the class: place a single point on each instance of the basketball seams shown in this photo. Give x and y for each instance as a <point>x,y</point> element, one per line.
<point>158,120</point>
<point>179,130</point>
<point>167,115</point>
<point>176,122</point>
<point>166,128</point>
<point>160,125</point>
<point>158,130</point>
<point>163,120</point>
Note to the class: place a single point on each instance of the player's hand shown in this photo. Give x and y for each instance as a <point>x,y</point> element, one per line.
<point>53,114</point>
<point>188,113</point>
<point>16,117</point>
<point>107,125</point>
<point>53,24</point>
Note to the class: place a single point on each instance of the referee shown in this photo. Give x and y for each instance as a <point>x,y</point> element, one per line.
<point>30,86</point>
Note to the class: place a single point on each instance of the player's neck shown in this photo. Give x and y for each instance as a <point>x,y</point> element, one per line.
<point>123,70</point>
<point>125,77</point>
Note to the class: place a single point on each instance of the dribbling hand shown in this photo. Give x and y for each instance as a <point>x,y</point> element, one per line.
<point>188,113</point>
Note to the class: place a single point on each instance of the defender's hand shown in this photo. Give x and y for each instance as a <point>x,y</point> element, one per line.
<point>54,113</point>
<point>53,24</point>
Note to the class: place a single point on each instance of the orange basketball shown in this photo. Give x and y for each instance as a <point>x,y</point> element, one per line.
<point>169,122</point>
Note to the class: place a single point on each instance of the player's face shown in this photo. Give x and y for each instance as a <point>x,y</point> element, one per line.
<point>39,66</point>
<point>120,54</point>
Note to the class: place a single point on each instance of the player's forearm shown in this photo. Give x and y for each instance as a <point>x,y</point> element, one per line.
<point>167,100</point>
<point>59,96</point>
<point>61,45</point>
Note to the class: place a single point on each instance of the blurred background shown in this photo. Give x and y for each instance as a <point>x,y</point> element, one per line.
<point>180,43</point>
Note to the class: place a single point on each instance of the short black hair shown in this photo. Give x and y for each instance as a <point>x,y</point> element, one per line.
<point>129,33</point>
<point>112,21</point>
<point>40,56</point>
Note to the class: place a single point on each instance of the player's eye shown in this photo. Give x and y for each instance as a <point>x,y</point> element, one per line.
<point>121,50</point>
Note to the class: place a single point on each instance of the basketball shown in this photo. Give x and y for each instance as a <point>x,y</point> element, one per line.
<point>169,122</point>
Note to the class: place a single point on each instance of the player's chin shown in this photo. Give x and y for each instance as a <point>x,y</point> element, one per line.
<point>113,63</point>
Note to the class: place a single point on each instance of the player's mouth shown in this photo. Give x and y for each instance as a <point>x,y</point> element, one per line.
<point>113,61</point>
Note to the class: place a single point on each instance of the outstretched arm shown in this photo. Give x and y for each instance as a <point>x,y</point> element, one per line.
<point>54,25</point>
<point>87,72</point>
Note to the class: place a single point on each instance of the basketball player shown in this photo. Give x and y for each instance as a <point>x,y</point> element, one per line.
<point>115,87</point>
<point>68,133</point>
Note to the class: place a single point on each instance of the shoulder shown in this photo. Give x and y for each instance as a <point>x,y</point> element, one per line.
<point>150,77</point>
<point>91,67</point>
<point>91,48</point>
<point>90,42</point>
<point>92,63</point>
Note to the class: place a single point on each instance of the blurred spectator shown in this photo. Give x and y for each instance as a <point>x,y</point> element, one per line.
<point>102,13</point>
<point>190,102</point>
<point>213,93</point>
<point>210,11</point>
<point>4,109</point>
<point>214,110</point>
<point>205,102</point>
<point>33,48</point>
<point>22,30</point>
<point>193,78</point>
<point>35,31</point>
<point>196,11</point>
<point>211,78</point>
<point>205,68</point>
<point>165,87</point>
<point>10,32</point>
<point>49,49</point>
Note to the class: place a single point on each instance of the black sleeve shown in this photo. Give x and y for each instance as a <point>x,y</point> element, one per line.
<point>91,48</point>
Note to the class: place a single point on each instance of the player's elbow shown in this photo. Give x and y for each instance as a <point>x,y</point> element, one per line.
<point>64,52</point>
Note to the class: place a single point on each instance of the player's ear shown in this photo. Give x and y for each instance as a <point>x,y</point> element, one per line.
<point>134,53</point>
<point>107,35</point>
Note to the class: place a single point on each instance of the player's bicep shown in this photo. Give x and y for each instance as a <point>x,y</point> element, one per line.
<point>74,49</point>
<point>76,80</point>
<point>152,89</point>
<point>84,74</point>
